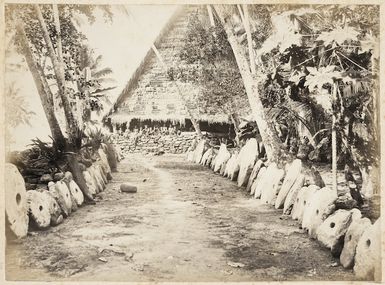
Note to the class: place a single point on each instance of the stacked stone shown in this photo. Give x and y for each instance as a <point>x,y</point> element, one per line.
<point>154,143</point>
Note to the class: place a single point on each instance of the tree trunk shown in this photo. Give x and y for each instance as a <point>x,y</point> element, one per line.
<point>249,39</point>
<point>46,98</point>
<point>55,11</point>
<point>58,67</point>
<point>77,174</point>
<point>269,137</point>
<point>334,142</point>
<point>376,111</point>
<point>211,16</point>
<point>196,126</point>
<point>370,174</point>
<point>367,188</point>
<point>235,120</point>
<point>44,92</point>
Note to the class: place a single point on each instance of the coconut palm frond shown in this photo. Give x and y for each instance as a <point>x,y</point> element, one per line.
<point>98,92</point>
<point>275,113</point>
<point>300,108</point>
<point>303,119</point>
<point>320,132</point>
<point>96,62</point>
<point>105,100</point>
<point>106,80</point>
<point>100,73</point>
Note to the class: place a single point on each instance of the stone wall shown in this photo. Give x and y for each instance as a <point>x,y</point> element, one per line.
<point>154,143</point>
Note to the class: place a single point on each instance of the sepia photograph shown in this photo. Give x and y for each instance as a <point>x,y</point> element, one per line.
<point>191,142</point>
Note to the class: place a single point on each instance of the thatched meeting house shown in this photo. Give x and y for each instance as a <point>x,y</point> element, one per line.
<point>152,98</point>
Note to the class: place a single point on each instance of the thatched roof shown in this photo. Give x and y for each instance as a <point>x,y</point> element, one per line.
<point>151,94</point>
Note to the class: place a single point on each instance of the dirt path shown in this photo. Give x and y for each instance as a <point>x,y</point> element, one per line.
<point>184,224</point>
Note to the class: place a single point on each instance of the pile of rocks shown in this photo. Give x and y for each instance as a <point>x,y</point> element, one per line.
<point>55,198</point>
<point>155,143</point>
<point>37,169</point>
<point>301,193</point>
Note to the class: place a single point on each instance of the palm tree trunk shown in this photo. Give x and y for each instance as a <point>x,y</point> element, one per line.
<point>58,67</point>
<point>334,142</point>
<point>376,108</point>
<point>246,23</point>
<point>77,174</point>
<point>269,137</point>
<point>211,16</point>
<point>196,126</point>
<point>44,92</point>
<point>235,120</point>
<point>58,32</point>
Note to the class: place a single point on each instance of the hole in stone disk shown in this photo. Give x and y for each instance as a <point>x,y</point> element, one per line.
<point>41,208</point>
<point>368,243</point>
<point>304,202</point>
<point>332,225</point>
<point>297,200</point>
<point>18,198</point>
<point>317,212</point>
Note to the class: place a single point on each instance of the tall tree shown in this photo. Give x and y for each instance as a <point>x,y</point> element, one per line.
<point>46,96</point>
<point>58,67</point>
<point>49,40</point>
<point>309,52</point>
<point>271,141</point>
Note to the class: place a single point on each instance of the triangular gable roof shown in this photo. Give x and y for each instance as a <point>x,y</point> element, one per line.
<point>151,94</point>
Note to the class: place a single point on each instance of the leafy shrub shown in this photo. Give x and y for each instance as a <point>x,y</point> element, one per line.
<point>95,137</point>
